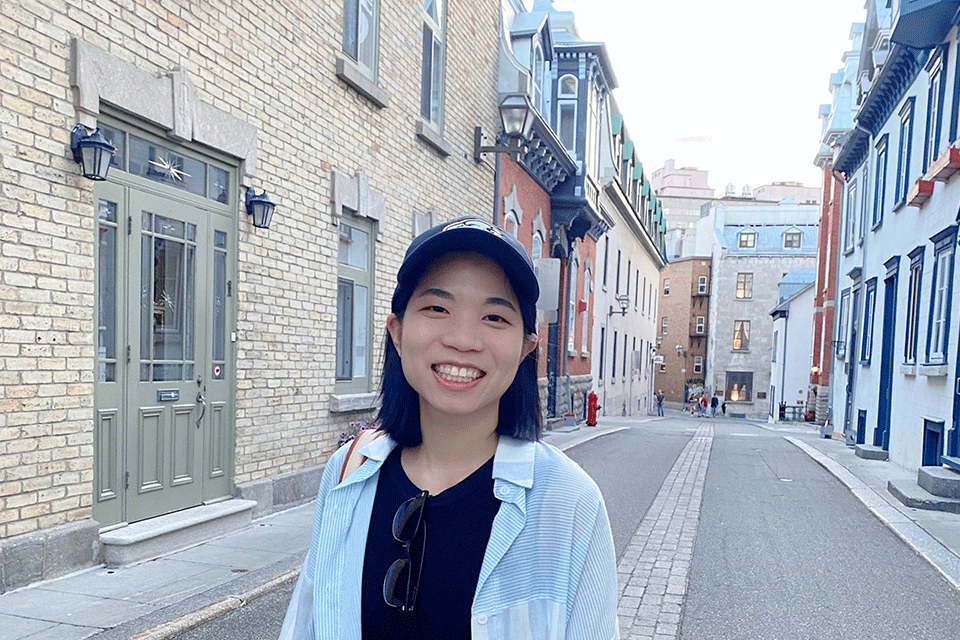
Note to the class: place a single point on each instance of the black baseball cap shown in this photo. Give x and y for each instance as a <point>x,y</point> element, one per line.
<point>469,234</point>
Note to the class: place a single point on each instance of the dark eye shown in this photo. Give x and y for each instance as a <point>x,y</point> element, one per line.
<point>495,318</point>
<point>435,308</point>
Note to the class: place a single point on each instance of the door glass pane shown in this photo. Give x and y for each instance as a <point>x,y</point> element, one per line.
<point>118,140</point>
<point>107,293</point>
<point>169,167</point>
<point>219,303</point>
<point>146,260</point>
<point>167,298</point>
<point>219,180</point>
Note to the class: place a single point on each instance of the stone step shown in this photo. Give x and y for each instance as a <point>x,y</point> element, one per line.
<point>940,481</point>
<point>168,533</point>
<point>913,495</point>
<point>870,452</point>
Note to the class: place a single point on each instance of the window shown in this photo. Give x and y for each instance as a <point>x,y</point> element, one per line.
<point>776,345</point>
<point>739,386</point>
<point>510,223</point>
<point>903,155</point>
<point>643,301</point>
<point>840,348</point>
<point>938,332</point>
<point>744,286</point>
<point>629,268</point>
<point>606,259</point>
<point>431,84</point>
<point>592,139</point>
<point>935,93</point>
<point>869,304</point>
<point>623,373</point>
<point>747,239</point>
<point>360,33</point>
<point>663,325</point>
<point>603,337</point>
<point>666,287</point>
<point>701,324</point>
<point>572,307</point>
<point>584,315</point>
<point>538,77</point>
<point>880,182</point>
<point>567,113</point>
<point>913,305</point>
<point>741,335</point>
<point>850,217</point>
<point>354,304</point>
<point>862,225</point>
<point>702,284</point>
<point>618,272</point>
<point>698,364</point>
<point>637,293</point>
<point>613,358</point>
<point>792,239</point>
<point>537,246</point>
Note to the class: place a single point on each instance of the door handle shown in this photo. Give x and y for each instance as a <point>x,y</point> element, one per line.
<point>203,407</point>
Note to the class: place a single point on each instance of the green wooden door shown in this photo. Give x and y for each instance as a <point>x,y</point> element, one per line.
<point>164,427</point>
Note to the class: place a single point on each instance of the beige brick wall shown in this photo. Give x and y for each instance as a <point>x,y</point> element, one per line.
<point>271,65</point>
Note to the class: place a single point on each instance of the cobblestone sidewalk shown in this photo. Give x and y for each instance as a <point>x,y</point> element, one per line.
<point>653,570</point>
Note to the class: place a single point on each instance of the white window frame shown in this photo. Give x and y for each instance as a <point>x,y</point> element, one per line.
<point>567,102</point>
<point>701,324</point>
<point>353,353</point>
<point>941,293</point>
<point>433,60</point>
<point>354,15</point>
<point>744,279</point>
<point>572,308</point>
<point>702,284</point>
<point>698,364</point>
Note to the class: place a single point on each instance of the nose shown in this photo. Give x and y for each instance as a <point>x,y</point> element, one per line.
<point>462,334</point>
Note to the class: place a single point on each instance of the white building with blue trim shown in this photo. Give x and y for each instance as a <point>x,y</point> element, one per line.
<point>897,377</point>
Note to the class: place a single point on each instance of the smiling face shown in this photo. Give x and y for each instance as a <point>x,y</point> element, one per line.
<point>461,340</point>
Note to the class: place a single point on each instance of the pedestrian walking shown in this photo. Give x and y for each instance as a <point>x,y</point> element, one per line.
<point>660,402</point>
<point>458,523</point>
<point>703,405</point>
<point>723,408</point>
<point>714,401</point>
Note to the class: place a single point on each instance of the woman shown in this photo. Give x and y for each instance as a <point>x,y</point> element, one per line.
<point>459,523</point>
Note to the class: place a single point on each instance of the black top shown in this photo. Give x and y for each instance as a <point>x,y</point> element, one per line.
<point>458,521</point>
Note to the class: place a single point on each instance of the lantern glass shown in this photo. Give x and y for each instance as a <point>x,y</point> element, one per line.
<point>516,115</point>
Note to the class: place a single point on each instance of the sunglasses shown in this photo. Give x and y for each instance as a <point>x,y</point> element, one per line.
<point>400,585</point>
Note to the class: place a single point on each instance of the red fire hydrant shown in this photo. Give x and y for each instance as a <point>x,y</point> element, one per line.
<point>592,408</point>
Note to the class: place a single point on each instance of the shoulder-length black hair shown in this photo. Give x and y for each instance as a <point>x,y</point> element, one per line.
<point>399,412</point>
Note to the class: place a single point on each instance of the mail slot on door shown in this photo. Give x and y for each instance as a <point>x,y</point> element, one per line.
<point>168,395</point>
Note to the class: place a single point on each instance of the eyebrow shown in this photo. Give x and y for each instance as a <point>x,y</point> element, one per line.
<point>446,295</point>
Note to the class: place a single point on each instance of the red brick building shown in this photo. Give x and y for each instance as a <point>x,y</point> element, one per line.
<point>684,311</point>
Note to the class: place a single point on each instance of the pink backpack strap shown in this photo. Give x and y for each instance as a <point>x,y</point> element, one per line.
<point>354,458</point>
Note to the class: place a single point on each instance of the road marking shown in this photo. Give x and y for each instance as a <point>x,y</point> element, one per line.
<point>745,435</point>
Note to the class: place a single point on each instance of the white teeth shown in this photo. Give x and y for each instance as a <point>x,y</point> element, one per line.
<point>457,374</point>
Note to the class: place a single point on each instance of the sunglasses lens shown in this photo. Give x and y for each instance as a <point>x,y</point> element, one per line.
<point>407,520</point>
<point>395,583</point>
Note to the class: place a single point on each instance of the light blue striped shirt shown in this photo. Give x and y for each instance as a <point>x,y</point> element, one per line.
<point>548,573</point>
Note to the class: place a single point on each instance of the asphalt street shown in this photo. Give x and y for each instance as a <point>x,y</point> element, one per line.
<point>777,547</point>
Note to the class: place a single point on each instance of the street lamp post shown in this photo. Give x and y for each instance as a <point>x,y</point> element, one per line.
<point>623,301</point>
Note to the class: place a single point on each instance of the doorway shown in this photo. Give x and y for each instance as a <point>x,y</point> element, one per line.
<point>165,368</point>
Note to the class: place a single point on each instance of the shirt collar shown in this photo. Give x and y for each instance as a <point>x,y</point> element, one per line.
<point>513,460</point>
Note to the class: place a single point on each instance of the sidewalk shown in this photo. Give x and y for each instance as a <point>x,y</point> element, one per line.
<point>158,598</point>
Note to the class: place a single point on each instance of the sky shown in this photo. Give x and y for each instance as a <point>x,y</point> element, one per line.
<point>733,87</point>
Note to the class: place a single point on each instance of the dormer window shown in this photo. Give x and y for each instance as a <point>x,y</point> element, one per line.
<point>567,113</point>
<point>747,239</point>
<point>792,239</point>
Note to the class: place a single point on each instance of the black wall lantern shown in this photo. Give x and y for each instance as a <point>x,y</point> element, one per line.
<point>92,152</point>
<point>260,208</point>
